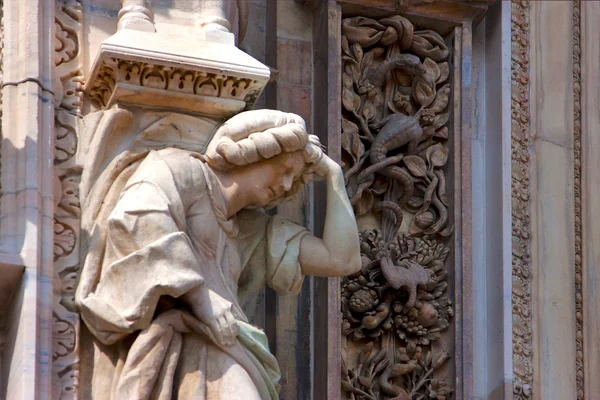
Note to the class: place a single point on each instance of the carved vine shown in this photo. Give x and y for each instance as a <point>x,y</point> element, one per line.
<point>69,93</point>
<point>521,223</point>
<point>408,376</point>
<point>395,95</point>
<point>577,189</point>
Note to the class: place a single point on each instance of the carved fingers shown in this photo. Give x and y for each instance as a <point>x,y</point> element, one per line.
<point>226,328</point>
<point>325,166</point>
<point>246,123</point>
<point>215,312</point>
<point>223,322</point>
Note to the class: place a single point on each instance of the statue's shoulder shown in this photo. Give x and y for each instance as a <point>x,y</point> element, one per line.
<point>184,167</point>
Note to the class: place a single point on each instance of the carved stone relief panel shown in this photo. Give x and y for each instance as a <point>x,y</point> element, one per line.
<point>69,95</point>
<point>396,89</point>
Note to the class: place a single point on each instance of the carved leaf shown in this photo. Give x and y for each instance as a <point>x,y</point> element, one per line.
<point>416,166</point>
<point>345,47</point>
<point>368,110</point>
<point>441,99</point>
<point>64,240</point>
<point>423,92</point>
<point>367,60</point>
<point>429,44</point>
<point>358,52</point>
<point>433,68</point>
<point>351,68</point>
<point>441,133</point>
<point>351,141</point>
<point>379,186</point>
<point>440,120</point>
<point>382,364</point>
<point>350,100</point>
<point>439,157</point>
<point>444,72</point>
<point>365,353</point>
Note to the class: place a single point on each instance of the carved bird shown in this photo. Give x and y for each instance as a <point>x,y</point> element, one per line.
<point>407,275</point>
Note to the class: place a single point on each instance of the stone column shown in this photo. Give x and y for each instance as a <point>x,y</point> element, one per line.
<point>136,14</point>
<point>26,211</point>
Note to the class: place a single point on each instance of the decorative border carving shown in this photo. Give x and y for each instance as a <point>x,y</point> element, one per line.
<point>65,327</point>
<point>521,223</point>
<point>114,71</point>
<point>577,186</point>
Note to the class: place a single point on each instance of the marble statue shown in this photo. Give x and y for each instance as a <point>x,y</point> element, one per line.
<point>178,240</point>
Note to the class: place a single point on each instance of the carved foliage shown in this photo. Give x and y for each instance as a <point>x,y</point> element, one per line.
<point>521,223</point>
<point>417,313</point>
<point>407,376</point>
<point>69,95</point>
<point>395,96</point>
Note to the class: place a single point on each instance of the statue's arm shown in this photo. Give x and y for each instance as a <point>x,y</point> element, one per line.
<point>338,253</point>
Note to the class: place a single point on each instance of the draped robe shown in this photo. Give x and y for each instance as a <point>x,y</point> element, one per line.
<point>166,234</point>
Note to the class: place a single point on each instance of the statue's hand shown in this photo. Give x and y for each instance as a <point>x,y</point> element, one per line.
<point>326,167</point>
<point>222,323</point>
<point>214,311</point>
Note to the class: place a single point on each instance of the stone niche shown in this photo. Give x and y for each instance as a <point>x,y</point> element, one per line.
<point>401,78</point>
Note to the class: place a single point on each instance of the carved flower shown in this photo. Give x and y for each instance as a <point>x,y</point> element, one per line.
<point>438,389</point>
<point>402,102</point>
<point>428,116</point>
<point>368,89</point>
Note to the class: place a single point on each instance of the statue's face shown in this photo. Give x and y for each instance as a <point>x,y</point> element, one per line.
<point>270,179</point>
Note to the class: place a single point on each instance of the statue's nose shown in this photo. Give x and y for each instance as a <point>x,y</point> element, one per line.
<point>286,184</point>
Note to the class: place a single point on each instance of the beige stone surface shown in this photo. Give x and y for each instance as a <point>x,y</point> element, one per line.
<point>552,200</point>
<point>294,21</point>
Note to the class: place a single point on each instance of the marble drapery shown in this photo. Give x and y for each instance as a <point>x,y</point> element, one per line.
<point>160,231</point>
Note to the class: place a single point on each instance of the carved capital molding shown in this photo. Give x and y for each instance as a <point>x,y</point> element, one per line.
<point>153,69</point>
